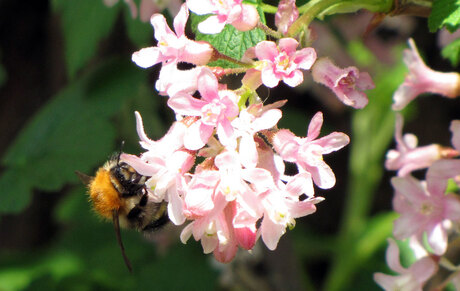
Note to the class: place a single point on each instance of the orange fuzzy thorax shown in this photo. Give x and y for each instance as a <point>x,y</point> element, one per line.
<point>103,194</point>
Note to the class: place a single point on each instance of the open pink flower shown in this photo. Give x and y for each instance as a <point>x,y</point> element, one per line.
<point>223,207</point>
<point>165,163</point>
<point>308,152</point>
<point>173,47</point>
<point>408,157</point>
<point>347,83</point>
<point>283,62</point>
<point>243,17</point>
<point>172,141</point>
<point>280,213</point>
<point>216,109</point>
<point>250,121</point>
<point>424,207</point>
<point>280,203</point>
<point>422,79</point>
<point>412,278</point>
<point>210,227</point>
<point>172,80</point>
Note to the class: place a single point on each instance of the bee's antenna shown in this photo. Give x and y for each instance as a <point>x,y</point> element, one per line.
<point>121,150</point>
<point>116,225</point>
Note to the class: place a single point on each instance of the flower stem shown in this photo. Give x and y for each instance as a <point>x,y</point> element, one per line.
<point>316,8</point>
<point>267,8</point>
<point>218,56</point>
<point>268,30</point>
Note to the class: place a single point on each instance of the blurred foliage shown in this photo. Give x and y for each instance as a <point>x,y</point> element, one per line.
<point>362,235</point>
<point>83,37</point>
<point>452,52</point>
<point>73,131</point>
<point>444,13</point>
<point>87,257</point>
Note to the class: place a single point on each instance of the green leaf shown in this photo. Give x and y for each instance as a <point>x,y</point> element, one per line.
<point>452,52</point>
<point>84,23</point>
<point>230,41</point>
<point>444,13</point>
<point>72,132</point>
<point>15,190</point>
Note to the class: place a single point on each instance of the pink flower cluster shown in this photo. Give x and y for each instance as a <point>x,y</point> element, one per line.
<point>429,213</point>
<point>221,165</point>
<point>426,209</point>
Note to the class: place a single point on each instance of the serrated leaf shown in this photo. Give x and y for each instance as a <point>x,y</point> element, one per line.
<point>72,132</point>
<point>452,52</point>
<point>84,23</point>
<point>230,41</point>
<point>444,13</point>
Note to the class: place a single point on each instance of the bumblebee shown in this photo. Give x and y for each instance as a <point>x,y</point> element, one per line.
<point>118,193</point>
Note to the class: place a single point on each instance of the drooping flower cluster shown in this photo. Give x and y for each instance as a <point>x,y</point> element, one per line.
<point>221,166</point>
<point>429,210</point>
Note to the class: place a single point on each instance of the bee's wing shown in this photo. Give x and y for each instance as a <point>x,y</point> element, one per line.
<point>116,225</point>
<point>85,179</point>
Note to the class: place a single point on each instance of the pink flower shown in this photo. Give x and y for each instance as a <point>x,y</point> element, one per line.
<point>422,79</point>
<point>172,80</point>
<point>411,279</point>
<point>216,109</point>
<point>173,47</point>
<point>215,232</point>
<point>243,17</point>
<point>308,152</point>
<point>424,207</point>
<point>280,203</point>
<point>172,141</point>
<point>283,62</point>
<point>223,208</point>
<point>166,164</point>
<point>347,83</point>
<point>286,15</point>
<point>280,212</point>
<point>408,157</point>
<point>250,121</point>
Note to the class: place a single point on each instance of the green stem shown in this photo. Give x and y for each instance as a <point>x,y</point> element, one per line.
<point>368,146</point>
<point>309,11</point>
<point>267,8</point>
<point>316,8</point>
<point>218,56</point>
<point>269,31</point>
